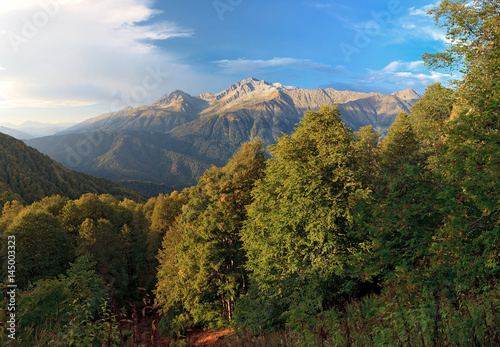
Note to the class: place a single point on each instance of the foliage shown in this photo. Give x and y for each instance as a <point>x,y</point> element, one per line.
<point>469,157</point>
<point>472,30</point>
<point>10,211</point>
<point>204,271</point>
<point>71,310</point>
<point>39,239</point>
<point>366,151</point>
<point>165,212</point>
<point>168,291</point>
<point>429,117</point>
<point>295,236</point>
<point>28,176</point>
<point>337,239</point>
<point>400,146</point>
<point>399,318</point>
<point>114,233</point>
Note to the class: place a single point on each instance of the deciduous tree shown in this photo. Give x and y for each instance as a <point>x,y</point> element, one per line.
<point>296,234</point>
<point>207,274</point>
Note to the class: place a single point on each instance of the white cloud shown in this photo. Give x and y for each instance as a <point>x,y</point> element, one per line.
<point>57,53</point>
<point>327,6</point>
<point>400,65</point>
<point>409,26</point>
<point>410,74</point>
<point>435,33</point>
<point>247,66</point>
<point>423,31</point>
<point>422,11</point>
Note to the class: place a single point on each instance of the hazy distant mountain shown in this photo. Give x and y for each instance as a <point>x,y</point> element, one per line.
<point>20,135</point>
<point>32,129</point>
<point>174,140</point>
<point>31,175</point>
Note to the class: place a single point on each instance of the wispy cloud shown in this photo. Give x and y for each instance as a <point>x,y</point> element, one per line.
<point>327,6</point>
<point>401,65</point>
<point>422,31</point>
<point>247,66</point>
<point>82,52</point>
<point>411,74</point>
<point>422,11</point>
<point>408,26</point>
<point>435,33</point>
<point>418,26</point>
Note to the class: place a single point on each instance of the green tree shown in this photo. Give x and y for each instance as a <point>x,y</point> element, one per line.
<point>135,228</point>
<point>115,234</point>
<point>472,29</point>
<point>43,249</point>
<point>397,227</point>
<point>470,156</point>
<point>430,115</point>
<point>207,274</point>
<point>366,152</point>
<point>169,287</point>
<point>296,234</point>
<point>72,217</point>
<point>164,214</point>
<point>51,204</point>
<point>7,195</point>
<point>400,146</point>
<point>66,310</point>
<point>94,207</point>
<point>106,244</point>
<point>10,211</point>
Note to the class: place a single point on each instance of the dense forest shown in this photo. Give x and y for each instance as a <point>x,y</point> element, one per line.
<point>27,175</point>
<point>328,238</point>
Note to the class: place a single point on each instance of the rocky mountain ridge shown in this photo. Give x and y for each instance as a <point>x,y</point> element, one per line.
<point>260,98</point>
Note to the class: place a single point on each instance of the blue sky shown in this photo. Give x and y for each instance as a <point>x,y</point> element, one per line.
<point>69,60</point>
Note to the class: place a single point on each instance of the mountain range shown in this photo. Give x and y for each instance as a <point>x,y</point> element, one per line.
<point>30,129</point>
<point>173,141</point>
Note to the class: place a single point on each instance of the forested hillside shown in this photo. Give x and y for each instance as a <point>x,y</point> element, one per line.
<point>28,175</point>
<point>328,238</point>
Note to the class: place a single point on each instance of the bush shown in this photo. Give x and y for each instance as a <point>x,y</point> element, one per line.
<point>72,309</point>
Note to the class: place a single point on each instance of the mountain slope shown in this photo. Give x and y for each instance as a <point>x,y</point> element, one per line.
<point>20,135</point>
<point>129,156</point>
<point>174,140</point>
<point>167,113</point>
<point>27,173</point>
